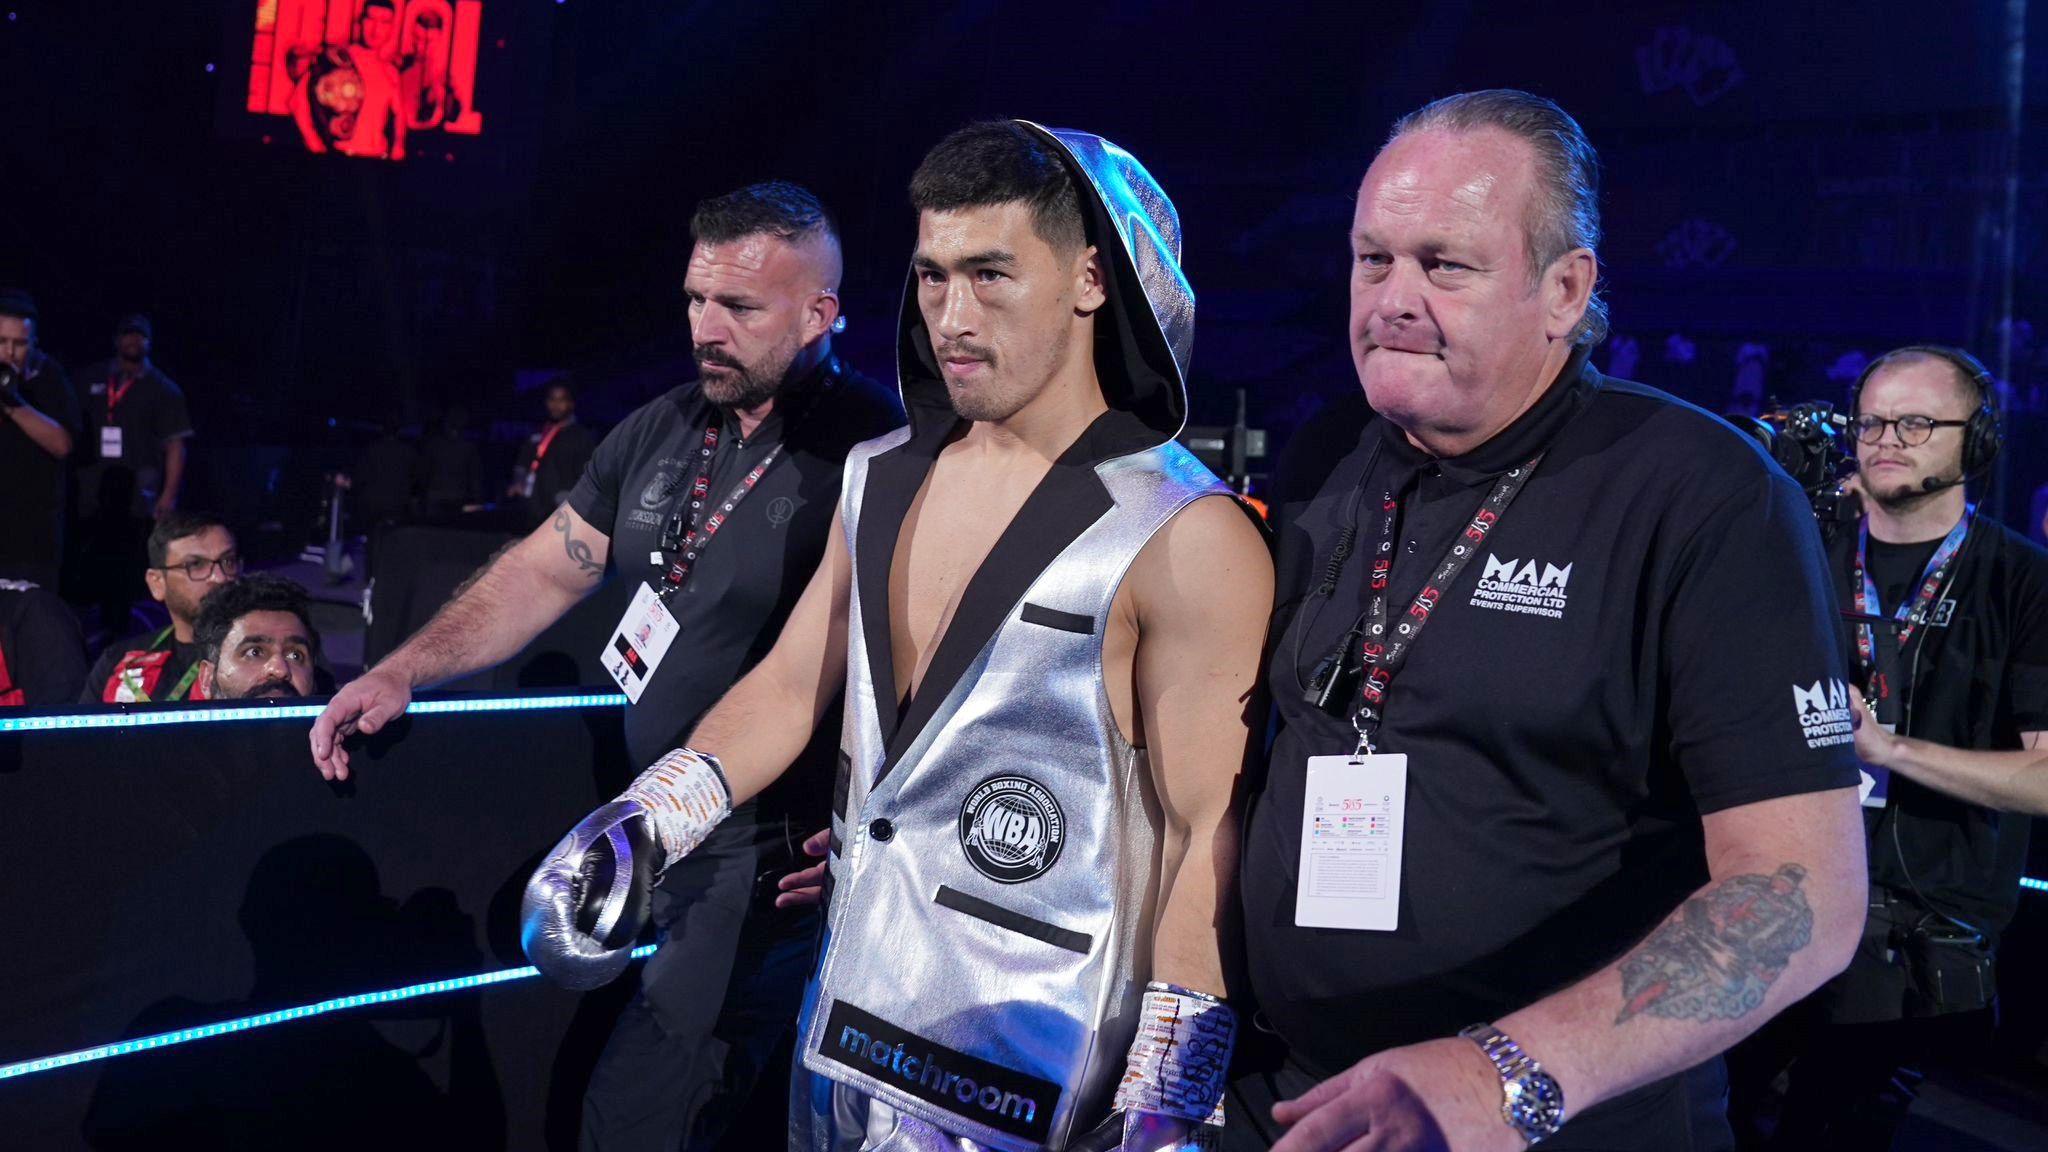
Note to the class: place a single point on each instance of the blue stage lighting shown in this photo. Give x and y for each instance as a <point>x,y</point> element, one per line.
<point>145,717</point>
<point>266,1019</point>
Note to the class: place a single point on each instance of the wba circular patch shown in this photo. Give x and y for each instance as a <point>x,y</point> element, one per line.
<point>1011,829</point>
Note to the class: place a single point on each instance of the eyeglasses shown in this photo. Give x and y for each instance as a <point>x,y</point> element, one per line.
<point>199,567</point>
<point>1912,429</point>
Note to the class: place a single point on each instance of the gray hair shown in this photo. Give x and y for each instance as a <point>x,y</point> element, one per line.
<point>1567,204</point>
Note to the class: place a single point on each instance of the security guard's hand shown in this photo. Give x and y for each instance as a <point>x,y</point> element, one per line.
<point>807,888</point>
<point>369,702</point>
<point>1429,1097</point>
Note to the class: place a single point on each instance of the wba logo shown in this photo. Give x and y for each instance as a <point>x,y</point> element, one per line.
<point>1011,829</point>
<point>1824,715</point>
<point>1529,587</point>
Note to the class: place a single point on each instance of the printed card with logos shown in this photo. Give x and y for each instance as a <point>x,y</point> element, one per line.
<point>1353,819</point>
<point>640,641</point>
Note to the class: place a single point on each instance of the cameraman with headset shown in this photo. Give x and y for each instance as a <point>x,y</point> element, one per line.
<point>1947,622</point>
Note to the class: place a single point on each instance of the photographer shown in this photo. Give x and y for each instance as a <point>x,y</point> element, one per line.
<point>1947,622</point>
<point>38,418</point>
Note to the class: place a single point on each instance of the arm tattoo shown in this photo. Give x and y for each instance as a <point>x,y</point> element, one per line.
<point>578,550</point>
<point>1717,957</point>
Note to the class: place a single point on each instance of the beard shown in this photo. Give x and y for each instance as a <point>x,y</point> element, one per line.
<point>737,385</point>
<point>280,688</point>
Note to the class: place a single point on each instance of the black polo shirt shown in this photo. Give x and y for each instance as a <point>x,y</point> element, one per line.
<point>32,513</point>
<point>150,413</point>
<point>745,583</point>
<point>1976,676</point>
<point>1629,649</point>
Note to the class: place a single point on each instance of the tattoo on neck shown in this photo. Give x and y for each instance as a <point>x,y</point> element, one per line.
<point>578,550</point>
<point>1719,954</point>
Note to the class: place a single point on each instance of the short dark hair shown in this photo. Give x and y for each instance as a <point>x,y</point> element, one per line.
<point>176,525</point>
<point>18,304</point>
<point>1566,208</point>
<point>1002,162</point>
<point>774,207</point>
<point>260,592</point>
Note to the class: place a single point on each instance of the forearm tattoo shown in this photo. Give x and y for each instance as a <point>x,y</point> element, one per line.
<point>1717,957</point>
<point>578,550</point>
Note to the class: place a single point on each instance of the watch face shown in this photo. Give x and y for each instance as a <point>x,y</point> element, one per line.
<point>1534,1103</point>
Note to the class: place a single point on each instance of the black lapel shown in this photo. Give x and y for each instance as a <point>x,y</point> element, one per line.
<point>893,480</point>
<point>1065,503</point>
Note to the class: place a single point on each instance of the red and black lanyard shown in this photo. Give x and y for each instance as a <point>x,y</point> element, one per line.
<point>116,395</point>
<point>1912,611</point>
<point>540,452</point>
<point>1386,644</point>
<point>689,531</point>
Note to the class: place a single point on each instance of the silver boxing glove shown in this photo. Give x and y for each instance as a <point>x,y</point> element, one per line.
<point>590,897</point>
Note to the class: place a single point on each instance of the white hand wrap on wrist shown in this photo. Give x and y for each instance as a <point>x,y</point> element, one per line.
<point>685,796</point>
<point>1180,1060</point>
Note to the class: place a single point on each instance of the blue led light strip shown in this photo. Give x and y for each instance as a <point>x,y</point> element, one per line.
<point>2036,885</point>
<point>147,717</point>
<point>264,1020</point>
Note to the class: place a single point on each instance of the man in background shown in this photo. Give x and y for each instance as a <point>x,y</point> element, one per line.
<point>190,555</point>
<point>257,641</point>
<point>38,422</point>
<point>133,467</point>
<point>553,458</point>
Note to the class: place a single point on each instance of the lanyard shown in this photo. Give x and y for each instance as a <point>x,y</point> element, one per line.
<point>540,453</point>
<point>1912,610</point>
<point>1384,653</point>
<point>134,675</point>
<point>689,539</point>
<point>116,395</point>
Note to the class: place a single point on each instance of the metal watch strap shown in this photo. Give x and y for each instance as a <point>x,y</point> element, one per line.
<point>1519,1075</point>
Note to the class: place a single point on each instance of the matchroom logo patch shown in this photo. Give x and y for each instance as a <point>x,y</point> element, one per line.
<point>1528,587</point>
<point>1824,715</point>
<point>966,1086</point>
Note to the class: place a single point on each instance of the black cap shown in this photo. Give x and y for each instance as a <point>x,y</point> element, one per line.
<point>136,322</point>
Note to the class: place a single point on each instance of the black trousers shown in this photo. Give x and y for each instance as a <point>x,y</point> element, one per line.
<point>715,1001</point>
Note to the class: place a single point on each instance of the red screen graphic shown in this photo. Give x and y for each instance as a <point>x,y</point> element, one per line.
<point>358,77</point>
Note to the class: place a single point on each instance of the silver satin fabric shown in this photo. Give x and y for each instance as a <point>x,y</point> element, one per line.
<point>1032,704</point>
<point>1149,226</point>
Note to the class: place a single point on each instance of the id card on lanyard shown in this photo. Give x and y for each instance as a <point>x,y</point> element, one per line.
<point>110,433</point>
<point>645,632</point>
<point>1355,808</point>
<point>1880,660</point>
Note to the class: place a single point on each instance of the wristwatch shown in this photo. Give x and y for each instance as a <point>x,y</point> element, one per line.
<point>1531,1102</point>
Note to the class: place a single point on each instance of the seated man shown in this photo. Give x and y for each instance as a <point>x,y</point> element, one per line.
<point>190,554</point>
<point>42,658</point>
<point>257,641</point>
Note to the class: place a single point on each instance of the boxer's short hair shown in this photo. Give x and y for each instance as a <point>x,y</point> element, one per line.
<point>1002,162</point>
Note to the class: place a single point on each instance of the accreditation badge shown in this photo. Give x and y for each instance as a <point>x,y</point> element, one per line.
<point>1353,821</point>
<point>639,642</point>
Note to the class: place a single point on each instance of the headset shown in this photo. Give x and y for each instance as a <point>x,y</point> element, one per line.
<point>1983,435</point>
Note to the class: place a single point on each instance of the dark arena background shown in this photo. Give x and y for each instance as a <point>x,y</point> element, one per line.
<point>208,945</point>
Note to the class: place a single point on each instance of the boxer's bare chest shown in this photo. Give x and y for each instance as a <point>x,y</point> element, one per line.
<point>959,513</point>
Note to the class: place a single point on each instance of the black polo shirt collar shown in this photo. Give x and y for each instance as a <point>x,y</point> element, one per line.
<point>1530,433</point>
